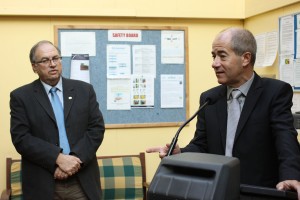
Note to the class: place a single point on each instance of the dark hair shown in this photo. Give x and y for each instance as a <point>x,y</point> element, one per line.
<point>242,40</point>
<point>33,49</point>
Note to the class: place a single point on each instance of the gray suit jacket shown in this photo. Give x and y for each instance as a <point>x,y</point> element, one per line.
<point>35,136</point>
<point>265,142</point>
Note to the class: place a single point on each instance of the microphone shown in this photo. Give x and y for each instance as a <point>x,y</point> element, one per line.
<point>209,100</point>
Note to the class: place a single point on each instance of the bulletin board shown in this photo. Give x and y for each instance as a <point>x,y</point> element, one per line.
<point>289,50</point>
<point>153,116</point>
<point>289,54</point>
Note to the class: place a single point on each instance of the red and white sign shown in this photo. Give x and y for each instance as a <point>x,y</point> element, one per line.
<point>125,35</point>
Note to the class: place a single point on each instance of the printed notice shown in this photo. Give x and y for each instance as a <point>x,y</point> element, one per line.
<point>287,35</point>
<point>287,69</point>
<point>142,91</point>
<point>267,47</point>
<point>144,60</point>
<point>172,47</point>
<point>80,67</point>
<point>118,61</point>
<point>78,43</point>
<point>172,91</point>
<point>118,94</point>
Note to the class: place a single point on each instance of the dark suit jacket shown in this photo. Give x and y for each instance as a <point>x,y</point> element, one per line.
<point>35,136</point>
<point>265,142</point>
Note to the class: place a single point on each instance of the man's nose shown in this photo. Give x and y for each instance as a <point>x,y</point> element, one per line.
<point>216,62</point>
<point>52,63</point>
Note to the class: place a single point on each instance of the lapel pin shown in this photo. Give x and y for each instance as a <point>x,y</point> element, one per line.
<point>70,97</point>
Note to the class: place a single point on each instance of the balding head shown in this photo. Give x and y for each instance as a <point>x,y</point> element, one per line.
<point>242,41</point>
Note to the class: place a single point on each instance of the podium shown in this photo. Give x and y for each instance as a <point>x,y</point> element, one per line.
<point>250,192</point>
<point>199,176</point>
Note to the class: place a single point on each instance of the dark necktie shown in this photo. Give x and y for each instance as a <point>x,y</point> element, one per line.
<point>233,116</point>
<point>59,115</point>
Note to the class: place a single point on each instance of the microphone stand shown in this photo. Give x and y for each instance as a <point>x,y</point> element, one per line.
<point>174,140</point>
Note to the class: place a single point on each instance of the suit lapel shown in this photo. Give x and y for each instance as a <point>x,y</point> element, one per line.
<point>69,96</point>
<point>42,97</point>
<point>222,114</point>
<point>252,98</point>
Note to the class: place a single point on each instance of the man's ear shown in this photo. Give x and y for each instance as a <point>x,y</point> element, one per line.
<point>34,66</point>
<point>246,58</point>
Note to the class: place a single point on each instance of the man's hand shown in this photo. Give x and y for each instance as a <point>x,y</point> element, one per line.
<point>68,163</point>
<point>163,150</point>
<point>60,174</point>
<point>289,185</point>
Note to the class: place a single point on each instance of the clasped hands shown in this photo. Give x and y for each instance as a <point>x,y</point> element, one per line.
<point>68,165</point>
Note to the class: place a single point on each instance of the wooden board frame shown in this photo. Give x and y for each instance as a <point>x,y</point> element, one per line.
<point>57,28</point>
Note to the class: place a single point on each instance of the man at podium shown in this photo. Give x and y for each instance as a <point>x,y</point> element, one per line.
<point>263,137</point>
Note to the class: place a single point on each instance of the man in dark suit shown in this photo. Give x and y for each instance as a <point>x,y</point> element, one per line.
<point>265,140</point>
<point>47,171</point>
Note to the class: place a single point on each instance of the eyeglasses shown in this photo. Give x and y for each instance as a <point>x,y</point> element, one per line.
<point>47,61</point>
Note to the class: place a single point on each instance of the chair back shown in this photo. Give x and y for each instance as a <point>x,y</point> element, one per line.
<point>121,177</point>
<point>13,178</point>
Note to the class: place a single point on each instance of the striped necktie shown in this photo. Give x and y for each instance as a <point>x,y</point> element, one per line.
<point>233,117</point>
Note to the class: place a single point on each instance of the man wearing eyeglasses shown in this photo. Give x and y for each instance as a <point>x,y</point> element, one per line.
<point>58,156</point>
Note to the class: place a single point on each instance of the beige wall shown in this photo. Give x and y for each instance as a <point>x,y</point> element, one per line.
<point>256,7</point>
<point>127,8</point>
<point>22,26</point>
<point>267,22</point>
<point>20,33</point>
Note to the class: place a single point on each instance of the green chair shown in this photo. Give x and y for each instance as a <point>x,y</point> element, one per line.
<point>121,177</point>
<point>13,189</point>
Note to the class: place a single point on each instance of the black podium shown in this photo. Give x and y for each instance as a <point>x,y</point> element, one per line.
<point>250,192</point>
<point>198,176</point>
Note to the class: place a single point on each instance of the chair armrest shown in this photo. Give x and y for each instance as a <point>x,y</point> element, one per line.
<point>5,195</point>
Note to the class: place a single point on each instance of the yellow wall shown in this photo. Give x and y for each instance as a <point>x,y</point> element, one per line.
<point>255,7</point>
<point>22,24</point>
<point>267,22</point>
<point>128,8</point>
<point>20,33</point>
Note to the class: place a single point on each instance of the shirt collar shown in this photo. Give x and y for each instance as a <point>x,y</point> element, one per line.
<point>48,87</point>
<point>243,88</point>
